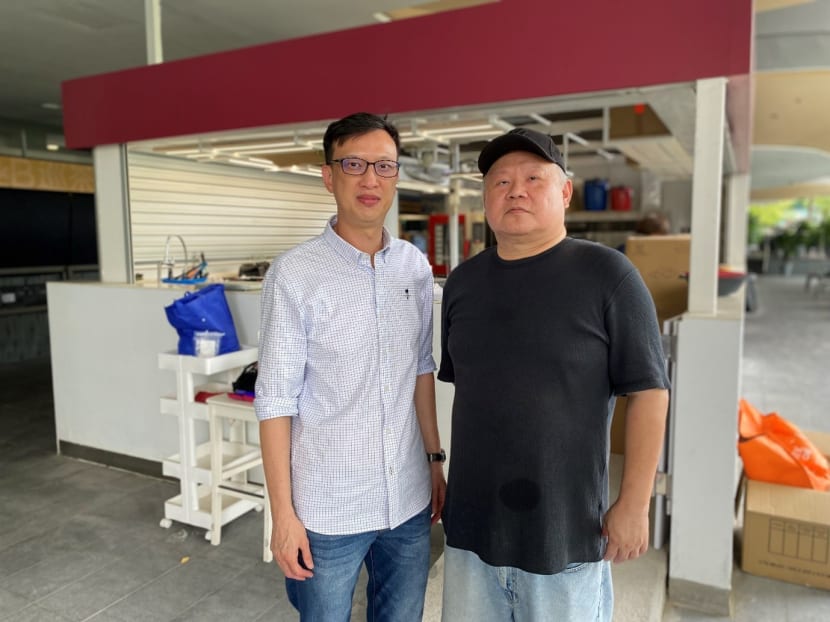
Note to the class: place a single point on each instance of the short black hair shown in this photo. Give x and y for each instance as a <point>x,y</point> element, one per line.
<point>355,125</point>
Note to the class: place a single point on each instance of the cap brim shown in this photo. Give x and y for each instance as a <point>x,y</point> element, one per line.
<point>508,143</point>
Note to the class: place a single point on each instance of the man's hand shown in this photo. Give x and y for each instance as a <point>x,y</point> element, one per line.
<point>627,533</point>
<point>439,489</point>
<point>289,543</point>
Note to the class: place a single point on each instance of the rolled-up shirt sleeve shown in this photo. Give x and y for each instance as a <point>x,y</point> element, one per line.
<point>282,349</point>
<point>426,363</point>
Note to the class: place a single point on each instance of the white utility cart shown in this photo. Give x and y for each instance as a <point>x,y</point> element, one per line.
<point>192,465</point>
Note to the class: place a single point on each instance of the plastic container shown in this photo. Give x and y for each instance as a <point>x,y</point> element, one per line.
<point>621,199</point>
<point>596,194</point>
<point>206,342</point>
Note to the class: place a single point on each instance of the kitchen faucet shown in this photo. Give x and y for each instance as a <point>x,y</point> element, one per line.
<point>168,261</point>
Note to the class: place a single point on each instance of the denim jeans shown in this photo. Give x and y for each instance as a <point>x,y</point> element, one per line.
<point>477,591</point>
<point>397,561</point>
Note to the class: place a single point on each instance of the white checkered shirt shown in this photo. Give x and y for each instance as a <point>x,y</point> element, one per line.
<point>341,344</point>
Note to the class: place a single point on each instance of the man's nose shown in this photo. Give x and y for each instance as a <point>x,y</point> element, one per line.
<point>517,189</point>
<point>370,177</point>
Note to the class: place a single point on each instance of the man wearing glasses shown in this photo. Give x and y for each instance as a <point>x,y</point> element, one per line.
<point>345,395</point>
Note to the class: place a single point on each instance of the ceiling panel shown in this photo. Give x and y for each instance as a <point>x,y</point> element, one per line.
<point>791,108</point>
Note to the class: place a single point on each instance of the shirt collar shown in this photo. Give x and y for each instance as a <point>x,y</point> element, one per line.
<point>349,252</point>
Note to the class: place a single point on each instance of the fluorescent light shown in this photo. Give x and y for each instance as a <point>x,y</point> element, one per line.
<point>306,170</point>
<point>52,147</point>
<point>381,17</point>
<point>181,151</point>
<point>261,164</point>
<point>577,139</point>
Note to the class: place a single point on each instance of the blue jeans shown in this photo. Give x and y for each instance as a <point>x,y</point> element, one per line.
<point>397,561</point>
<point>477,591</point>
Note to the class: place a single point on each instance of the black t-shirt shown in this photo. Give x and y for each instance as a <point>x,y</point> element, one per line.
<point>538,348</point>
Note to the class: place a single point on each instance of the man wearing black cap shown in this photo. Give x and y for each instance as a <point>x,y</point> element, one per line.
<point>539,335</point>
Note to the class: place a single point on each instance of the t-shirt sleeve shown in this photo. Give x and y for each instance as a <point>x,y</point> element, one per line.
<point>636,358</point>
<point>446,372</point>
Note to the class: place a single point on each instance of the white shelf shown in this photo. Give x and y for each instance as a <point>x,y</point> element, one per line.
<point>232,454</point>
<point>232,508</point>
<point>214,374</point>
<point>169,404</point>
<point>207,365</point>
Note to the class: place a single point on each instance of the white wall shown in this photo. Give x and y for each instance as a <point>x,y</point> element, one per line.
<point>677,203</point>
<point>105,341</point>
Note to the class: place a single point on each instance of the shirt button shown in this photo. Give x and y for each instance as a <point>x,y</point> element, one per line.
<point>391,471</point>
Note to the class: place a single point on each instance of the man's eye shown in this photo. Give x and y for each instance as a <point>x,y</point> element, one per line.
<point>353,164</point>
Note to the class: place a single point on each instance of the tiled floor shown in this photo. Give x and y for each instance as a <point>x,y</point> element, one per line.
<point>81,542</point>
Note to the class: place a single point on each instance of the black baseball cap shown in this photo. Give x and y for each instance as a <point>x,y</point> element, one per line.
<point>520,139</point>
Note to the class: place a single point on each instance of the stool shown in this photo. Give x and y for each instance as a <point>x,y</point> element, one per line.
<point>230,462</point>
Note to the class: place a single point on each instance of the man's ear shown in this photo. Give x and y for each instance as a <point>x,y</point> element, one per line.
<point>567,192</point>
<point>327,180</point>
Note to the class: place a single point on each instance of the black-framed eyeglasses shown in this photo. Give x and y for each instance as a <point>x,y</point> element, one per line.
<point>359,166</point>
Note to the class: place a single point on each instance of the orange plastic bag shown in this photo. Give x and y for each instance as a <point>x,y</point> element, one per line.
<point>775,450</point>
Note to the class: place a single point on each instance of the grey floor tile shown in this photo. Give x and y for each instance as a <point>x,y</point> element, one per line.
<point>281,612</point>
<point>35,614</point>
<point>174,592</point>
<point>246,597</point>
<point>11,603</point>
<point>55,573</point>
<point>110,584</point>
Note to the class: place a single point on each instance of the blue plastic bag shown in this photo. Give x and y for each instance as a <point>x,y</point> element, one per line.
<point>204,309</point>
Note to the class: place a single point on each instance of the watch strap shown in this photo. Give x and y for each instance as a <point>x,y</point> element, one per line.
<point>440,456</point>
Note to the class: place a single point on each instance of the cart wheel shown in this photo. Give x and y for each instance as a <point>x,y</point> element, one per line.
<point>259,508</point>
<point>208,535</point>
<point>166,523</point>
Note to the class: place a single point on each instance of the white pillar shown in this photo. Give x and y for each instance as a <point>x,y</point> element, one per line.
<point>453,208</point>
<point>704,462</point>
<point>152,31</point>
<point>735,230</point>
<point>710,117</point>
<point>112,214</point>
<point>706,384</point>
<point>392,221</point>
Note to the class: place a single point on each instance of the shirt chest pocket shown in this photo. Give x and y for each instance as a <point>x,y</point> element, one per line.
<point>404,319</point>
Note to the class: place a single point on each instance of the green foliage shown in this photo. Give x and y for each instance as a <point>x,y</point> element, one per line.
<point>791,223</point>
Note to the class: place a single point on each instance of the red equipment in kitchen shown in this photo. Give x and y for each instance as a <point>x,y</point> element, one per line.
<point>621,198</point>
<point>438,250</point>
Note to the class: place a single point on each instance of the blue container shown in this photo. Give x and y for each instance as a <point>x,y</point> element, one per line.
<point>596,194</point>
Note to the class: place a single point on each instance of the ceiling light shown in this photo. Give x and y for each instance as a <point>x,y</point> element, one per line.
<point>382,17</point>
<point>577,139</point>
<point>50,106</point>
<point>52,147</point>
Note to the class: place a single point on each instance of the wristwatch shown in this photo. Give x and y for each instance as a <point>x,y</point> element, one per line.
<point>441,456</point>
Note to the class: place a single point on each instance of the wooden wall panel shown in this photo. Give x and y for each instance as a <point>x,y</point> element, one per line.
<point>27,174</point>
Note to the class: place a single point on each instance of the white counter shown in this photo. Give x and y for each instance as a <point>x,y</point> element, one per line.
<point>105,342</point>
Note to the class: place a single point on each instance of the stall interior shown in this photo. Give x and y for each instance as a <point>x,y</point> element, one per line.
<point>245,196</point>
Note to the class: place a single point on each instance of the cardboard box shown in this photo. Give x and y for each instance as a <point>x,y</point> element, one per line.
<point>786,533</point>
<point>662,260</point>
